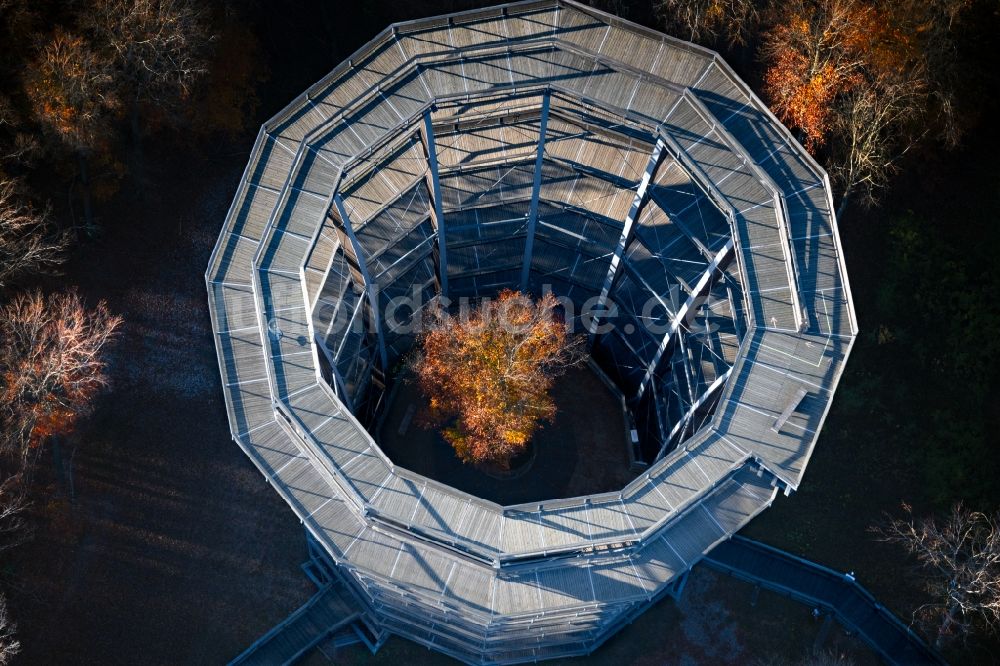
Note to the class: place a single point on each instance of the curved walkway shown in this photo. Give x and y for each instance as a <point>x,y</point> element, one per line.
<point>839,594</point>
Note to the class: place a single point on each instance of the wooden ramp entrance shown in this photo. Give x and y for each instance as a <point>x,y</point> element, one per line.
<point>835,593</point>
<point>331,609</point>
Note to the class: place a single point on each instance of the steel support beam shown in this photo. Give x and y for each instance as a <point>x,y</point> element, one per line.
<point>529,241</point>
<point>641,196</point>
<point>703,283</point>
<point>438,210</point>
<point>681,351</point>
<point>340,387</point>
<point>371,290</point>
<point>681,425</point>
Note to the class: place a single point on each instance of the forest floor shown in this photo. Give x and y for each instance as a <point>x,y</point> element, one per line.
<point>582,452</point>
<point>156,541</point>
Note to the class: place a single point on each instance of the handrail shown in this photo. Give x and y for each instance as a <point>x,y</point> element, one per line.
<point>791,262</point>
<point>810,161</point>
<point>404,70</point>
<point>840,580</point>
<point>269,231</point>
<point>496,557</point>
<point>681,155</point>
<point>332,473</point>
<point>240,190</point>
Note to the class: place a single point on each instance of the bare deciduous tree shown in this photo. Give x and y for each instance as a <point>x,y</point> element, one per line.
<point>51,367</point>
<point>69,85</point>
<point>13,503</point>
<point>708,20</point>
<point>158,48</point>
<point>869,127</point>
<point>16,145</point>
<point>9,645</point>
<point>931,23</point>
<point>70,88</point>
<point>28,242</point>
<point>959,557</point>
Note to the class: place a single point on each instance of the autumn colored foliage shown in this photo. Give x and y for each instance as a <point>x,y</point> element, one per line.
<point>487,375</point>
<point>51,366</point>
<point>817,51</point>
<point>864,79</point>
<point>71,89</point>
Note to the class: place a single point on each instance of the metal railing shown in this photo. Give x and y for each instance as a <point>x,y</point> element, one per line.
<point>318,133</point>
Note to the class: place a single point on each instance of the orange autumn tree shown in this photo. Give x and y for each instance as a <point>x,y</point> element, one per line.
<point>863,81</point>
<point>487,375</point>
<point>816,51</point>
<point>51,367</point>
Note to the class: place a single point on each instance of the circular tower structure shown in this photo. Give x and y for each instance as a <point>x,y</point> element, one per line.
<point>535,146</point>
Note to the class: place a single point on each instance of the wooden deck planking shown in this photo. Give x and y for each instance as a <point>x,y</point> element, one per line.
<point>603,85</point>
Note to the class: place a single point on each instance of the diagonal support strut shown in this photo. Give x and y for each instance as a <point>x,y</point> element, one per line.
<point>699,288</point>
<point>641,196</point>
<point>370,287</point>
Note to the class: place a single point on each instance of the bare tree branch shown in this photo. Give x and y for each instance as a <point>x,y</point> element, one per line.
<point>959,558</point>
<point>69,85</point>
<point>158,45</point>
<point>13,503</point>
<point>29,244</point>
<point>709,20</point>
<point>9,645</point>
<point>51,367</point>
<point>869,127</point>
<point>16,146</point>
<point>935,53</point>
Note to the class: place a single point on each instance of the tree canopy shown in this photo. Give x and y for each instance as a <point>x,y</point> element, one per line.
<point>51,366</point>
<point>488,374</point>
<point>959,558</point>
<point>863,79</point>
<point>70,88</point>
